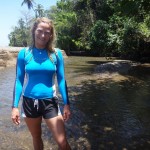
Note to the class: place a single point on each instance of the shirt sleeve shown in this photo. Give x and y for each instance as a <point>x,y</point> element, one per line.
<point>62,84</point>
<point>20,73</point>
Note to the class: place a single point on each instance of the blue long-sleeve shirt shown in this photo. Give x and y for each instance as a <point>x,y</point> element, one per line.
<point>35,75</point>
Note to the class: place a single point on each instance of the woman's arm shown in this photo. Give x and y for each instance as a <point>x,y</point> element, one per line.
<point>63,85</point>
<point>61,78</point>
<point>20,73</point>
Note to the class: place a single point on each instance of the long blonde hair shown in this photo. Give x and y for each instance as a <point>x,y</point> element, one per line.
<point>51,43</point>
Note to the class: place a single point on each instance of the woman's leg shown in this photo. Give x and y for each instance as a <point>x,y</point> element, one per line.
<point>34,126</point>
<point>56,126</point>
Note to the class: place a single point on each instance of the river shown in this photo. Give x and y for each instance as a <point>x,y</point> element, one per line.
<point>109,112</point>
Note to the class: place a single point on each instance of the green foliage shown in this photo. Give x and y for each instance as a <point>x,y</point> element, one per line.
<point>144,28</point>
<point>99,37</point>
<point>64,24</point>
<point>20,36</point>
<point>130,38</point>
<point>105,28</point>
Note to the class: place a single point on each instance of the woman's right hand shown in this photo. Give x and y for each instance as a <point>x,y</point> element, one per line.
<point>15,116</point>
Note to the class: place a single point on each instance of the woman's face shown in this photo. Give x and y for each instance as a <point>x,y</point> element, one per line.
<point>42,35</point>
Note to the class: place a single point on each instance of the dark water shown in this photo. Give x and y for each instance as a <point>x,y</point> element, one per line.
<point>108,113</point>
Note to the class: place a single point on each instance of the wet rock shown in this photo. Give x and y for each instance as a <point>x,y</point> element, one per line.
<point>111,69</point>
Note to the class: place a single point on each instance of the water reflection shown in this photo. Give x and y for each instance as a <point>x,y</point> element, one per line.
<point>6,86</point>
<point>108,113</point>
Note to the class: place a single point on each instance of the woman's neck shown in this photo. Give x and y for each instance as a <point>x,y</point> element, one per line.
<point>39,47</point>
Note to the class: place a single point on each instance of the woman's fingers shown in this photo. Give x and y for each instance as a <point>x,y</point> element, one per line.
<point>67,113</point>
<point>15,116</point>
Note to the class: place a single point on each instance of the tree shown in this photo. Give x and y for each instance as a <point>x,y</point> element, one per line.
<point>29,3</point>
<point>39,11</point>
<point>105,27</point>
<point>20,35</point>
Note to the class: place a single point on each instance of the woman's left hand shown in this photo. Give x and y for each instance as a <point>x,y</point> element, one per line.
<point>66,113</point>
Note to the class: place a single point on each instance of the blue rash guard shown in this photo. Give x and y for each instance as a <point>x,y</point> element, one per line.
<point>38,70</point>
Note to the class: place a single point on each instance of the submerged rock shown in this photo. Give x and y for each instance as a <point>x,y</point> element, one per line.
<point>114,67</point>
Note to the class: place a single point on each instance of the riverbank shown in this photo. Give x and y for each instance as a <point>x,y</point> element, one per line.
<point>8,56</point>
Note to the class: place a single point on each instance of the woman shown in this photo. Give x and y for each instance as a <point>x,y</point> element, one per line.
<point>40,64</point>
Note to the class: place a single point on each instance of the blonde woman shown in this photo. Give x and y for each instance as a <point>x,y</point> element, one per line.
<point>41,63</point>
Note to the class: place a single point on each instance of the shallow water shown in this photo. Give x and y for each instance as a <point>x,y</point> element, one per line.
<point>108,113</point>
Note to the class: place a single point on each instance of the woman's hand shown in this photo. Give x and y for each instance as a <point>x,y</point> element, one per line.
<point>66,113</point>
<point>15,116</point>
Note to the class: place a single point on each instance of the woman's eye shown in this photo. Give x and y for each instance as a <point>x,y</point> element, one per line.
<point>47,33</point>
<point>42,32</point>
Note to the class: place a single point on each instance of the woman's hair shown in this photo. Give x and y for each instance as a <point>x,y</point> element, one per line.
<point>51,43</point>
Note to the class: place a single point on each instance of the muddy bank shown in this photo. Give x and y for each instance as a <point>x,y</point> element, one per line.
<point>8,56</point>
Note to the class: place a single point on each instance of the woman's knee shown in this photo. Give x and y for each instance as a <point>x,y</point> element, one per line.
<point>63,144</point>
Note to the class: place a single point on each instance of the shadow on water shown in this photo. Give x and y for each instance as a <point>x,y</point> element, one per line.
<point>117,111</point>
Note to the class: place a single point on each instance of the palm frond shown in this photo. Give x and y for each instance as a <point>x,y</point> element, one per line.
<point>29,3</point>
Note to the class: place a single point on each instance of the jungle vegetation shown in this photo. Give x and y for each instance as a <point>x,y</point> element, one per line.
<point>95,27</point>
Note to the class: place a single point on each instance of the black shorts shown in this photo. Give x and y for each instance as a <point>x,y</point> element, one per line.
<point>47,108</point>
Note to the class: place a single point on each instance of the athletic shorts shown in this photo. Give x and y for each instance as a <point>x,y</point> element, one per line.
<point>47,108</point>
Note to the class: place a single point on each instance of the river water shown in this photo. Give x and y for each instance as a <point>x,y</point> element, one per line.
<point>109,112</point>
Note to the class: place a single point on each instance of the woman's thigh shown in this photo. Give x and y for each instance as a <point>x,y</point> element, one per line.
<point>56,126</point>
<point>34,126</point>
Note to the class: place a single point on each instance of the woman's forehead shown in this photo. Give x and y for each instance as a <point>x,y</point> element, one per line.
<point>43,25</point>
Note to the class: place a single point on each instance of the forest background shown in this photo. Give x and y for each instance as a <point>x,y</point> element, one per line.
<point>107,28</point>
